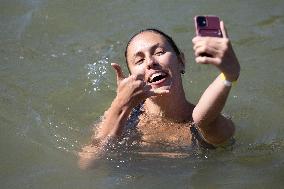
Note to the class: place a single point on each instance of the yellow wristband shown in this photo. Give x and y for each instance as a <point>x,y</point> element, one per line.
<point>226,82</point>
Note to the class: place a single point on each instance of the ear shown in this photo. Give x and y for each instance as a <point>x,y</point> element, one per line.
<point>182,60</point>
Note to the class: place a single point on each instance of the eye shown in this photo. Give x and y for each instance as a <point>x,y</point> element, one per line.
<point>159,52</point>
<point>139,61</point>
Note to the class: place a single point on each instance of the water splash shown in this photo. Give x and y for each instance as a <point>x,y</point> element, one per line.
<point>63,135</point>
<point>98,70</point>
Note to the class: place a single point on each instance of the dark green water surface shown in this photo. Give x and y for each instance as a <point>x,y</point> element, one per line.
<point>56,80</point>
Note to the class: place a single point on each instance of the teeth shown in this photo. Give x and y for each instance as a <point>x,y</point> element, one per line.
<point>156,75</point>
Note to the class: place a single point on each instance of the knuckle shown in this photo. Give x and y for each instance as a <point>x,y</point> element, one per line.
<point>218,61</point>
<point>200,59</point>
<point>139,83</point>
<point>204,59</point>
<point>222,52</point>
<point>226,42</point>
<point>206,41</point>
<point>197,60</point>
<point>196,53</point>
<point>225,48</point>
<point>122,82</point>
<point>204,48</point>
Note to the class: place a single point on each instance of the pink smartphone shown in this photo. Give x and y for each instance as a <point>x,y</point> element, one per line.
<point>207,26</point>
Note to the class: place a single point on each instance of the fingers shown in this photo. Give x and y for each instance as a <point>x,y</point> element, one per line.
<point>156,91</point>
<point>145,91</point>
<point>212,42</point>
<point>134,87</point>
<point>223,30</point>
<point>205,47</point>
<point>210,50</point>
<point>160,91</point>
<point>208,60</point>
<point>119,74</point>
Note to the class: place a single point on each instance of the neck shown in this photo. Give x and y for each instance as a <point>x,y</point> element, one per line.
<point>171,106</point>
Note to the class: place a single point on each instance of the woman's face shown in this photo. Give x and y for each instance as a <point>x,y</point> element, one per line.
<point>152,58</point>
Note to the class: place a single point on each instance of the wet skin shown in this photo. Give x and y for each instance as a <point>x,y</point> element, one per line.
<point>156,80</point>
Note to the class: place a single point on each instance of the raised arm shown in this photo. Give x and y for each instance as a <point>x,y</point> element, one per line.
<point>214,127</point>
<point>131,91</point>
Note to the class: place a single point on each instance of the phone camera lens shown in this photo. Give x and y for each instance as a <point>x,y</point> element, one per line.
<point>201,21</point>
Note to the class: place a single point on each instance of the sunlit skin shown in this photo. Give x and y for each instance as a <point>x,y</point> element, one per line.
<point>150,55</point>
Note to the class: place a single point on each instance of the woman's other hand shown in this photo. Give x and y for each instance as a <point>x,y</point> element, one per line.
<point>221,53</point>
<point>133,90</point>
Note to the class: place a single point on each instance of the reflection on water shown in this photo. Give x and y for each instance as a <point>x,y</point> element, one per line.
<point>56,81</point>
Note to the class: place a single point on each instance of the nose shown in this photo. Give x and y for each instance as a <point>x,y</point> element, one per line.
<point>151,62</point>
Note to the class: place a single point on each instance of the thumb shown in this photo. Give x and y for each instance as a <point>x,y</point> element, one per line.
<point>119,74</point>
<point>223,29</point>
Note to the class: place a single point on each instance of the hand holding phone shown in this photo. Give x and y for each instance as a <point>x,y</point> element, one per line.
<point>212,46</point>
<point>207,26</point>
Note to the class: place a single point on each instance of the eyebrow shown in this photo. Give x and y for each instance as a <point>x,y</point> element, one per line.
<point>151,47</point>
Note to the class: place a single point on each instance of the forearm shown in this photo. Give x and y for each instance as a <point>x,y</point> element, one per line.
<point>214,127</point>
<point>207,113</point>
<point>114,120</point>
<point>211,102</point>
<point>110,128</point>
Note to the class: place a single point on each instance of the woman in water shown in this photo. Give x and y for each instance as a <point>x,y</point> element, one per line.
<point>150,108</point>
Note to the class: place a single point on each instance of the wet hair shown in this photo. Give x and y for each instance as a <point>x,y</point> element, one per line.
<point>157,31</point>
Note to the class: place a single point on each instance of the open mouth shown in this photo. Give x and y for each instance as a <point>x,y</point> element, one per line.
<point>157,77</point>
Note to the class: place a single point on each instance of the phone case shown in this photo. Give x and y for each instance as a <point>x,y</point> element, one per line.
<point>207,26</point>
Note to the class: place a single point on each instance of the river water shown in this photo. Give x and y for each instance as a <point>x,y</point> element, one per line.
<point>56,80</point>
